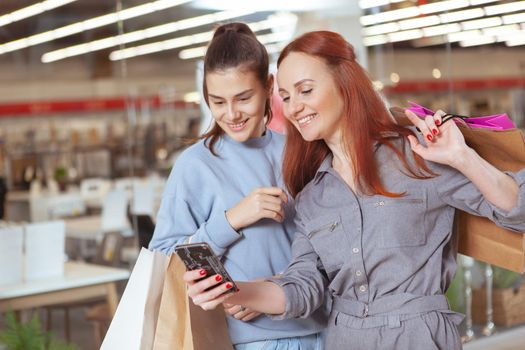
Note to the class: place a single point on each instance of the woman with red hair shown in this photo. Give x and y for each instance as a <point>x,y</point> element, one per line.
<point>375,206</point>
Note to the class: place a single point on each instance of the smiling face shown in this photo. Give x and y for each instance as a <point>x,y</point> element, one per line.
<point>237,102</point>
<point>311,99</point>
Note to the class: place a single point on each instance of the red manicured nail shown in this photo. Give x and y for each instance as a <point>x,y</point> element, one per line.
<point>438,122</point>
<point>429,137</point>
<point>238,289</point>
<point>202,272</point>
<point>218,278</point>
<point>228,286</point>
<point>435,131</point>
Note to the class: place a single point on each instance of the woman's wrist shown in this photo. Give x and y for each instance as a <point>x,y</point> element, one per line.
<point>463,159</point>
<point>230,217</point>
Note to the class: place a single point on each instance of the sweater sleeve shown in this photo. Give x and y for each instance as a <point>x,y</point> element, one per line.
<point>187,213</point>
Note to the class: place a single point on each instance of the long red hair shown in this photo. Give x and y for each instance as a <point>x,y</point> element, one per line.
<point>366,121</point>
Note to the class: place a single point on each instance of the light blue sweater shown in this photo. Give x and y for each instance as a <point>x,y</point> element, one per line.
<point>201,187</point>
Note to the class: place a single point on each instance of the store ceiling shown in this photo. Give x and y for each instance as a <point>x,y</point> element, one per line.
<point>82,10</point>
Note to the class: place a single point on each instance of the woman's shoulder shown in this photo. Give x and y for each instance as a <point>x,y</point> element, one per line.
<point>277,138</point>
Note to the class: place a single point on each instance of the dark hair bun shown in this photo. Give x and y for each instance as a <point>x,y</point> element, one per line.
<point>236,27</point>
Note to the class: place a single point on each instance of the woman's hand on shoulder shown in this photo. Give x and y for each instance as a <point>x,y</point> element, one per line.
<point>444,143</point>
<point>264,202</point>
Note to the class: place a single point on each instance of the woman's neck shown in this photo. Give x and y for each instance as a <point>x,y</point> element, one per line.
<point>342,162</point>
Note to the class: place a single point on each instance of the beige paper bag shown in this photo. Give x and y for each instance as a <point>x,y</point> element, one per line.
<point>183,326</point>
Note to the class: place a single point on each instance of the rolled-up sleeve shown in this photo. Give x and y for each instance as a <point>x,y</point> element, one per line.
<point>458,191</point>
<point>304,281</point>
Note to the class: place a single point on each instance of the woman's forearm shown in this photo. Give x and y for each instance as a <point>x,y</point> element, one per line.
<point>265,297</point>
<point>497,187</point>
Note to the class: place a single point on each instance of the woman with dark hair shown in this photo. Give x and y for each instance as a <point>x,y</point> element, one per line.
<point>227,189</point>
<point>374,208</point>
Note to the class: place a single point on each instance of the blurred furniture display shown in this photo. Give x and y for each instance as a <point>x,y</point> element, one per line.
<point>43,205</point>
<point>108,254</point>
<point>80,282</point>
<point>11,255</point>
<point>31,252</point>
<point>112,219</point>
<point>44,250</point>
<point>94,190</point>
<point>508,305</point>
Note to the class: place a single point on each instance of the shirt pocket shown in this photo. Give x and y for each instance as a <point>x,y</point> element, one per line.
<point>400,221</point>
<point>327,236</point>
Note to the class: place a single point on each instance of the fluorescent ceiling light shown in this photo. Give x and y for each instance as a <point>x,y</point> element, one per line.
<point>375,40</point>
<point>405,35</point>
<point>481,40</point>
<point>511,35</point>
<point>366,4</point>
<point>441,6</point>
<point>515,18</point>
<point>517,40</point>
<point>461,15</point>
<point>91,23</point>
<point>463,36</point>
<point>419,22</point>
<point>429,41</point>
<point>32,10</point>
<point>505,8</point>
<point>264,39</point>
<point>280,21</point>
<point>481,2</point>
<point>390,15</point>
<point>441,30</point>
<point>501,30</point>
<point>482,23</point>
<point>141,35</point>
<point>381,29</point>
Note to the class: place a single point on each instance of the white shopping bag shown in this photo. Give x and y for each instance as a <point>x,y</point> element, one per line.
<point>133,326</point>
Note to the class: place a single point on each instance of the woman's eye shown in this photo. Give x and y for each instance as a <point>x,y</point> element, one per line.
<point>245,98</point>
<point>285,99</point>
<point>306,92</point>
<point>218,103</point>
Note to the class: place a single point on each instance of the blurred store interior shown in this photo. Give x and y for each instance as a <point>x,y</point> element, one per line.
<point>98,97</point>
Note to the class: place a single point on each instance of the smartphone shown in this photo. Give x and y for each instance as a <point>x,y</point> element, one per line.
<point>198,256</point>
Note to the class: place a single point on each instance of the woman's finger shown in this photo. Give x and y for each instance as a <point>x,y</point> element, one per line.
<point>218,297</point>
<point>274,191</point>
<point>274,215</point>
<point>250,316</point>
<point>212,294</point>
<point>199,287</point>
<point>194,275</point>
<point>438,117</point>
<point>431,125</point>
<point>420,123</point>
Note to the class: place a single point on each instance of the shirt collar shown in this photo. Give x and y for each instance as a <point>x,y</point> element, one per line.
<point>325,167</point>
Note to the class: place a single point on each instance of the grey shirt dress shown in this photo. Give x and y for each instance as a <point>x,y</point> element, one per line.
<point>385,262</point>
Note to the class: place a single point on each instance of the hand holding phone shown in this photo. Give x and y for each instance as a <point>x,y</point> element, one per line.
<point>200,256</point>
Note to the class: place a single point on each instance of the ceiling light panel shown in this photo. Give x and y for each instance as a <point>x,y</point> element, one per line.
<point>89,24</point>
<point>31,11</point>
<point>142,34</point>
<point>275,21</point>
